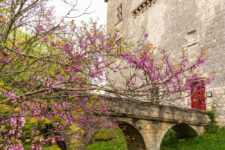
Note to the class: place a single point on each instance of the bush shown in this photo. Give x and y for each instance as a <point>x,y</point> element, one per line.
<point>211,115</point>
<point>170,137</point>
<point>104,135</point>
<point>211,128</point>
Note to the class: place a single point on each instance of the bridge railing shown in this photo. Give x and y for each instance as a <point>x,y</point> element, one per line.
<point>152,111</point>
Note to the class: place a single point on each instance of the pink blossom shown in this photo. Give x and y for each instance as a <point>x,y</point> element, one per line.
<point>36,147</point>
<point>76,68</point>
<point>13,121</point>
<point>39,28</point>
<point>146,35</point>
<point>17,121</point>
<point>22,121</point>
<point>95,74</point>
<point>12,132</point>
<point>46,40</point>
<point>60,78</point>
<point>104,108</point>
<point>53,140</point>
<point>17,51</point>
<point>10,95</point>
<point>53,44</point>
<point>76,79</point>
<point>16,147</point>
<point>48,83</point>
<point>67,47</point>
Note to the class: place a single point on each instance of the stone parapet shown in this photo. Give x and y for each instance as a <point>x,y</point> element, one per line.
<point>151,111</point>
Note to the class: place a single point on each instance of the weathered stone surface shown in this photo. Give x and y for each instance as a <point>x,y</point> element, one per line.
<point>148,111</point>
<point>146,123</point>
<point>176,24</point>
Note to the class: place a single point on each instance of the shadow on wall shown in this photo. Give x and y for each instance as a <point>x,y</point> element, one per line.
<point>177,133</point>
<point>133,137</point>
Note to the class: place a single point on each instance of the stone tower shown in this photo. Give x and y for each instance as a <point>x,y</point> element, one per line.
<point>176,24</point>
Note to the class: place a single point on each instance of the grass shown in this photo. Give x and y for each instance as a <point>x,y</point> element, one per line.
<point>108,140</point>
<point>208,141</point>
<point>214,139</point>
<point>53,147</point>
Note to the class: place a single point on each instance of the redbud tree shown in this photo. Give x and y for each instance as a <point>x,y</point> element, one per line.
<point>55,74</point>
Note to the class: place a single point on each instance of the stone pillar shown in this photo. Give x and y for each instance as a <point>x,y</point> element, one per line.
<point>153,133</point>
<point>199,129</point>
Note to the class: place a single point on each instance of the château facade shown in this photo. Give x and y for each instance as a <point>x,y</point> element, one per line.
<point>176,24</point>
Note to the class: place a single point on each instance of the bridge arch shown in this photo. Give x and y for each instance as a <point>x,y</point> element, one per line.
<point>181,131</point>
<point>132,135</point>
<point>184,131</point>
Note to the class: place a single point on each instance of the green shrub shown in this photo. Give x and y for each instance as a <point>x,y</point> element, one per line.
<point>211,115</point>
<point>104,135</point>
<point>211,128</point>
<point>170,137</point>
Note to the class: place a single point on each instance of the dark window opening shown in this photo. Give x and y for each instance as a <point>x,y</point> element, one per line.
<point>119,13</point>
<point>192,38</point>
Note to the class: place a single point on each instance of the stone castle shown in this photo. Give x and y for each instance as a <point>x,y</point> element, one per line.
<point>176,24</point>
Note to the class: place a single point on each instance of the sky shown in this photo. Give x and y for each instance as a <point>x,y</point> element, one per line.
<point>97,10</point>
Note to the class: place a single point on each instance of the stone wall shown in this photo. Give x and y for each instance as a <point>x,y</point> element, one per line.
<point>153,132</point>
<point>145,124</point>
<point>216,103</point>
<point>176,24</point>
<point>150,111</point>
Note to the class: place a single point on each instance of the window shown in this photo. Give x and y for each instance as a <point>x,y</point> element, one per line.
<point>192,44</point>
<point>192,38</point>
<point>119,13</point>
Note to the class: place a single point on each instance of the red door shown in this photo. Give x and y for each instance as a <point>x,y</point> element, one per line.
<point>198,95</point>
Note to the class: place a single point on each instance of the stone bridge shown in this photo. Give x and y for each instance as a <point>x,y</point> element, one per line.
<point>145,124</point>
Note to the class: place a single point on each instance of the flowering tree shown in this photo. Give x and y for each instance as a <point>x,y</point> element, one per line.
<point>53,74</point>
<point>158,75</point>
<point>47,72</point>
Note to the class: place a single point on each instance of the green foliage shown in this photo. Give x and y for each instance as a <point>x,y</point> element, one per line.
<point>45,147</point>
<point>170,137</point>
<point>208,141</point>
<point>211,115</point>
<point>104,135</point>
<point>211,127</point>
<point>117,143</point>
